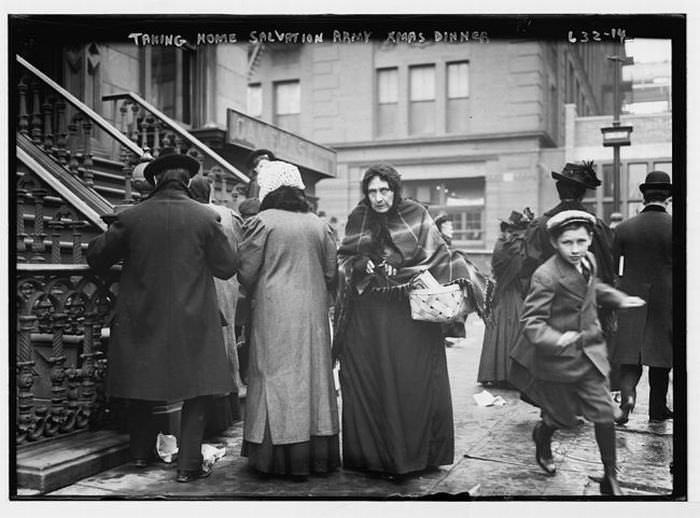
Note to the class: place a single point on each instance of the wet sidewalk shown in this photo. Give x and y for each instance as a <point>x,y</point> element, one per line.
<point>494,457</point>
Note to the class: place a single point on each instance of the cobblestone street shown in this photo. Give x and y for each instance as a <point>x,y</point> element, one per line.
<point>494,457</point>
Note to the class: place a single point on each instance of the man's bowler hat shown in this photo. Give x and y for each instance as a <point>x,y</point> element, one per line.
<point>169,158</point>
<point>583,174</point>
<point>656,180</point>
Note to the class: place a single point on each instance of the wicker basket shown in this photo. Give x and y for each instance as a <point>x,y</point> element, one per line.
<point>438,304</point>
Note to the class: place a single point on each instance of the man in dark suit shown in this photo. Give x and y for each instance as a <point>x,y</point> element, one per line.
<point>166,342</point>
<point>643,249</point>
<point>570,361</point>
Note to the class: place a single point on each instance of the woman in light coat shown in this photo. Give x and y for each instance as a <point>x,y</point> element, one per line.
<point>288,264</point>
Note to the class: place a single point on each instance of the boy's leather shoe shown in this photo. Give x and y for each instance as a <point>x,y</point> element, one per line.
<point>661,416</point>
<point>543,451</point>
<point>625,409</point>
<point>610,487</point>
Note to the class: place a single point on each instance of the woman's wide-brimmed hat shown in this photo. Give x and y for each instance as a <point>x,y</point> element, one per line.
<point>583,174</point>
<point>169,158</point>
<point>656,180</point>
<point>517,220</point>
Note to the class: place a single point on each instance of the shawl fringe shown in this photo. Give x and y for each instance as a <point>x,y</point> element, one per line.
<point>408,239</point>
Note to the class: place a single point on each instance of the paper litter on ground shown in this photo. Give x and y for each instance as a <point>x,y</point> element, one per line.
<point>485,398</point>
<point>212,453</point>
<point>166,447</point>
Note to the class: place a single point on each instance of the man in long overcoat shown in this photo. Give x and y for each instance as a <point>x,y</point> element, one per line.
<point>166,342</point>
<point>643,244</point>
<point>225,410</point>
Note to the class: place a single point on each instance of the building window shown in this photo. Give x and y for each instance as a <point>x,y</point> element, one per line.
<point>422,99</point>
<point>554,112</point>
<point>461,198</point>
<point>457,97</point>
<point>608,180</point>
<point>163,74</point>
<point>636,174</point>
<point>387,101</point>
<point>570,78</point>
<point>171,82</point>
<point>632,174</point>
<point>254,100</point>
<point>578,99</point>
<point>553,56</point>
<point>287,105</point>
<point>468,225</point>
<point>666,167</point>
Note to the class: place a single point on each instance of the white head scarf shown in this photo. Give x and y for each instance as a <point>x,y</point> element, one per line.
<point>275,174</point>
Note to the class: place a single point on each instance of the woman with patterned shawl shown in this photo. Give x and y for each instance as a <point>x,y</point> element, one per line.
<point>503,327</point>
<point>397,409</point>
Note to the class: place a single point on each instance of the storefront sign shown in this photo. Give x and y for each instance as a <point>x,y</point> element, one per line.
<point>251,133</point>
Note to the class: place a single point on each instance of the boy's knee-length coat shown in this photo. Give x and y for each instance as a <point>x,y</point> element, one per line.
<point>645,335</point>
<point>166,342</point>
<point>288,261</point>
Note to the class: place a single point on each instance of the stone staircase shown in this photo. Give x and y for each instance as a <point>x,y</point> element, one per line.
<point>49,465</point>
<point>73,170</point>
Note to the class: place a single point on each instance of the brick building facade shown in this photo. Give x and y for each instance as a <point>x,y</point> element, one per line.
<point>474,128</point>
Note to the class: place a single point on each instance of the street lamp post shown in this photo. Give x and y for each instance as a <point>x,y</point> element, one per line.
<point>617,135</point>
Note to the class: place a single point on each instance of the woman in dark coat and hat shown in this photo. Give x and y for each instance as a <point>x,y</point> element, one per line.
<point>166,342</point>
<point>503,327</point>
<point>571,184</point>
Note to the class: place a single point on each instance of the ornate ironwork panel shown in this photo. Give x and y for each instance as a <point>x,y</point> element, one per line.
<point>61,360</point>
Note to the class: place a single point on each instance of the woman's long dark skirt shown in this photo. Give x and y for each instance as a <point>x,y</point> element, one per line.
<point>397,408</point>
<point>320,454</point>
<point>500,337</point>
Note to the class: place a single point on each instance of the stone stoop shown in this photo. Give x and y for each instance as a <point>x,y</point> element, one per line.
<point>49,465</point>
<point>53,464</point>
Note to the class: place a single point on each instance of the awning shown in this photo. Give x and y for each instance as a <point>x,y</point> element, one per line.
<point>250,133</point>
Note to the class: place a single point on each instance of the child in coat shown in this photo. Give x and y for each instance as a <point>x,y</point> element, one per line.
<point>570,359</point>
